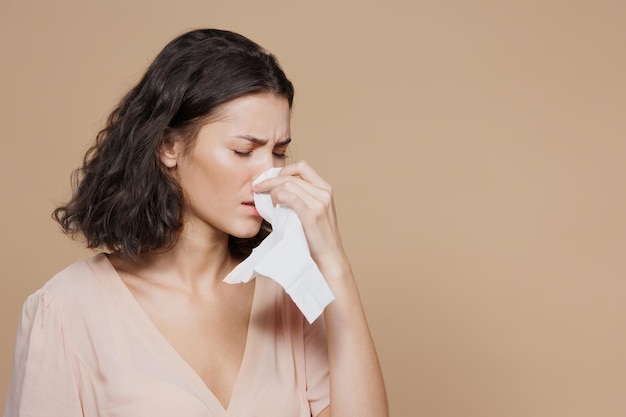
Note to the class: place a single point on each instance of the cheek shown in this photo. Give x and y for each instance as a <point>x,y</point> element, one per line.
<point>219,170</point>
<point>227,168</point>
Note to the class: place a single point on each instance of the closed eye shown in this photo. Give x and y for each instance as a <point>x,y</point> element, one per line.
<point>245,154</point>
<point>280,149</point>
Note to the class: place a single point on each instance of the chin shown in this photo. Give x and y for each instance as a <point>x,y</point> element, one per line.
<point>245,235</point>
<point>246,232</point>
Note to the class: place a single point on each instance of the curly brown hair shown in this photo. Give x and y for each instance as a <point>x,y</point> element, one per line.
<point>124,199</point>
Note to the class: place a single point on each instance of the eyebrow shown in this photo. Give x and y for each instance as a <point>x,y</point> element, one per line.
<point>263,141</point>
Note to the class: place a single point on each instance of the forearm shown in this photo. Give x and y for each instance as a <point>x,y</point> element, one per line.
<point>356,382</point>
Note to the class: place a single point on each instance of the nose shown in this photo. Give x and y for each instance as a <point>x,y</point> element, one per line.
<point>267,161</point>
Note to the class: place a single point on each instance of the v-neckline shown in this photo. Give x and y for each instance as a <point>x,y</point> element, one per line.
<point>179,365</point>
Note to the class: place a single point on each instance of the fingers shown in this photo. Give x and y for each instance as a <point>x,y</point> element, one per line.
<point>299,187</point>
<point>308,201</point>
<point>298,170</point>
<point>304,171</point>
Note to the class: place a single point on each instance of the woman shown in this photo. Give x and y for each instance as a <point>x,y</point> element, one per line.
<point>149,328</point>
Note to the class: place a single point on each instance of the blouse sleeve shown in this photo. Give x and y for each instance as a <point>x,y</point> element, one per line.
<point>43,381</point>
<point>316,365</point>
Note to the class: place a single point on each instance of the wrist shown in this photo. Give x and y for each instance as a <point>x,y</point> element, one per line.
<point>334,268</point>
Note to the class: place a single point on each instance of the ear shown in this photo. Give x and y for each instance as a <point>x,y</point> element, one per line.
<point>170,152</point>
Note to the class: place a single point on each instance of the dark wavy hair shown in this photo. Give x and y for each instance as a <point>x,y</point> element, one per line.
<point>124,199</point>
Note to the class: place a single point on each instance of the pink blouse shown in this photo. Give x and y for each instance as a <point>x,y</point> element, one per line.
<point>86,348</point>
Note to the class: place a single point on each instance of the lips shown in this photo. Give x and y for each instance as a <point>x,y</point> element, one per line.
<point>249,205</point>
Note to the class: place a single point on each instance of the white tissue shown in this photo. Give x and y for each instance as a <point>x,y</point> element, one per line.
<point>284,257</point>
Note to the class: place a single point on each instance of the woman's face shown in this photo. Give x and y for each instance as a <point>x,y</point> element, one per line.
<point>249,135</point>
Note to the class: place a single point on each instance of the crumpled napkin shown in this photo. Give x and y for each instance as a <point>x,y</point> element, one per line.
<point>284,257</point>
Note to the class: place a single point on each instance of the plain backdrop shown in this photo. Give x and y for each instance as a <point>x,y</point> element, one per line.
<point>477,151</point>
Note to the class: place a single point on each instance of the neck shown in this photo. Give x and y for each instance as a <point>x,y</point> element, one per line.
<point>195,263</point>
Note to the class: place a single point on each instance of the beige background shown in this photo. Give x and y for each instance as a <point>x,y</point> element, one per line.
<point>477,152</point>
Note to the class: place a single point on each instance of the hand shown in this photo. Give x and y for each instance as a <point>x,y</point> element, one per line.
<point>305,192</point>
